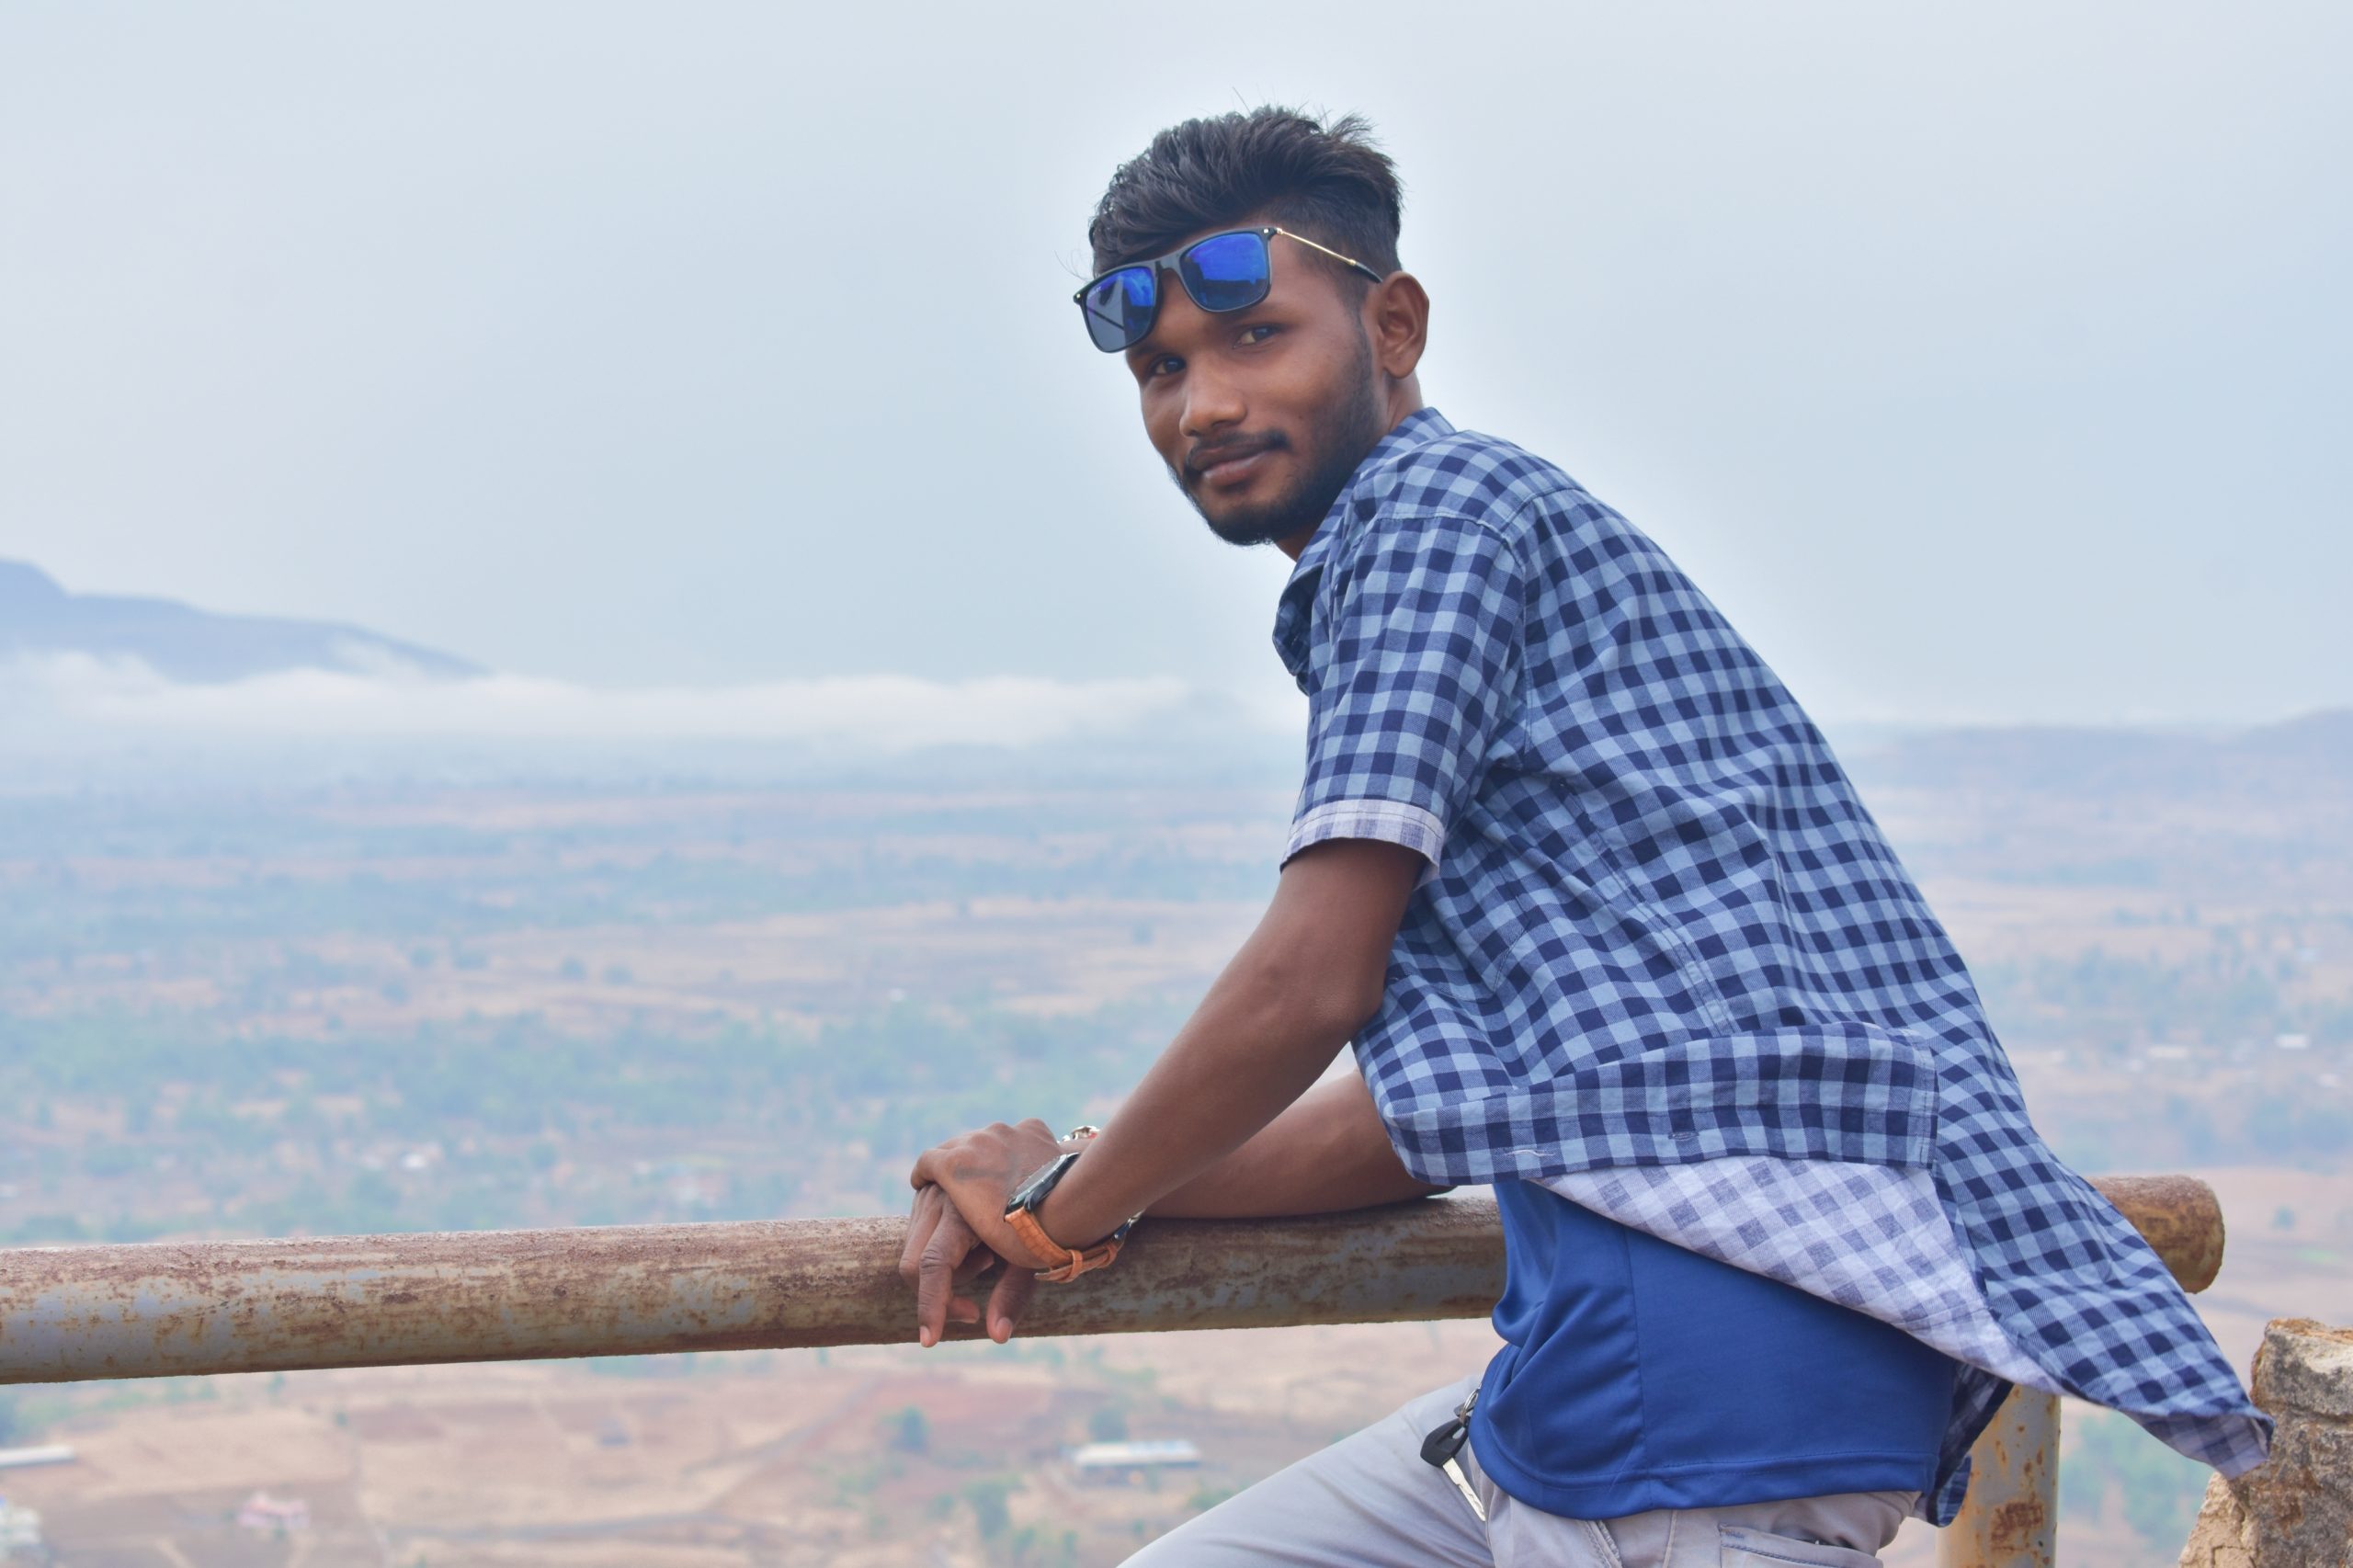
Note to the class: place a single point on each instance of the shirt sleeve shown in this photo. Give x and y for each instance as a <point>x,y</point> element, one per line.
<point>1425,624</point>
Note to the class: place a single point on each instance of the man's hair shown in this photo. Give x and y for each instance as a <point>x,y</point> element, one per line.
<point>1329,183</point>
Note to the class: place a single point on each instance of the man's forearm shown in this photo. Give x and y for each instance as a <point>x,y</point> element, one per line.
<point>1305,981</point>
<point>1325,1154</point>
<point>1243,1057</point>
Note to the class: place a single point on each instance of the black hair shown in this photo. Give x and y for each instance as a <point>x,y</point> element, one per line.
<point>1329,182</point>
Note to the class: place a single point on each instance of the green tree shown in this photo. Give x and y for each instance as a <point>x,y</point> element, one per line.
<point>911,1431</point>
<point>990,1512</point>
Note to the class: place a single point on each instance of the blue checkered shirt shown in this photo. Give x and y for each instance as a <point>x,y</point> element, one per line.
<point>1662,943</point>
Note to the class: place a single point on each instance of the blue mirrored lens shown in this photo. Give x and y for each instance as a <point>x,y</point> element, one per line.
<point>1118,307</point>
<point>1227,272</point>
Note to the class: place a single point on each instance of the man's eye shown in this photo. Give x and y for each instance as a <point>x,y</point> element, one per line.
<point>1166,365</point>
<point>1258,332</point>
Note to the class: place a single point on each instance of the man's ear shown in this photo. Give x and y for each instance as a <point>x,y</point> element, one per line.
<point>1397,315</point>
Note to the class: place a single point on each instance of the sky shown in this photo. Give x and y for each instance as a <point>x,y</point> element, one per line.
<point>1985,363</point>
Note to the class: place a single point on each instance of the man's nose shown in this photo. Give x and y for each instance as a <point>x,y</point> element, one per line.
<point>1212,403</point>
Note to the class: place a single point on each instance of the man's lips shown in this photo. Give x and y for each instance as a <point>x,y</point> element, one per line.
<point>1229,465</point>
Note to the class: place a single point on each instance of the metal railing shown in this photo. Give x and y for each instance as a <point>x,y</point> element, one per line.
<point>160,1309</point>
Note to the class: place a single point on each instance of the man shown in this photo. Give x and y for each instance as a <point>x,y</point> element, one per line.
<point>1610,930</point>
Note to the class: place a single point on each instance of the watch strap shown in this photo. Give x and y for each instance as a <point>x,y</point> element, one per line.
<point>1024,1224</point>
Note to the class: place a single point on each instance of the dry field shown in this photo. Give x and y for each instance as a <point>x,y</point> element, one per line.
<point>782,1457</point>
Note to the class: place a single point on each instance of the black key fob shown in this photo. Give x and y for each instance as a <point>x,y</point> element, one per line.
<point>1446,1442</point>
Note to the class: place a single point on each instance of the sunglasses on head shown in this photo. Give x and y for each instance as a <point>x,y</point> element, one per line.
<point>1224,272</point>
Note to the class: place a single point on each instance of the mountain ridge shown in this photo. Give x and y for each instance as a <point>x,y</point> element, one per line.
<point>38,615</point>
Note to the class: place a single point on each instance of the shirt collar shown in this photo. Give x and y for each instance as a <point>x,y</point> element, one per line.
<point>1293,612</point>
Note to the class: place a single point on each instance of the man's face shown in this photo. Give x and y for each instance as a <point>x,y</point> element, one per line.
<point>1262,414</point>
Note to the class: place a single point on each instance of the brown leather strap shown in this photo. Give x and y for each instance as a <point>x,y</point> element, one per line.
<point>1076,1263</point>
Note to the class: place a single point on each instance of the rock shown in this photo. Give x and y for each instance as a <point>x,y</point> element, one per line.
<point>2218,1539</point>
<point>2297,1510</point>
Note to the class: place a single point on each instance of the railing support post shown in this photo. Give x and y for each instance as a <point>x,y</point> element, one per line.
<point>2011,1519</point>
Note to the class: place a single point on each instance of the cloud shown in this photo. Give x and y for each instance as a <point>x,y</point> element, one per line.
<point>62,698</point>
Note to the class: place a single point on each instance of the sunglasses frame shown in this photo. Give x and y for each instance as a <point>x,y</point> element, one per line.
<point>1168,263</point>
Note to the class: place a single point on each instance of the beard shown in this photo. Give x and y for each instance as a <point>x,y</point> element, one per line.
<point>1344,431</point>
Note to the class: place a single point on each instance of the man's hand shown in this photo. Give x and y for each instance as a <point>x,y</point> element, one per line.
<point>958,1227</point>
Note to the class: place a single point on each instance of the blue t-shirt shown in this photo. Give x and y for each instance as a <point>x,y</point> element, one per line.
<point>1635,1375</point>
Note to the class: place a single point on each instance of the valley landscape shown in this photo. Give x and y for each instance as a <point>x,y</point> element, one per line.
<point>387,1006</point>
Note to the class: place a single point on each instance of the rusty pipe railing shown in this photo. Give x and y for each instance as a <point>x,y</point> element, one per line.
<point>156,1309</point>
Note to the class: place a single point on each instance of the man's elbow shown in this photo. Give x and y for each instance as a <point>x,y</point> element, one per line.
<point>1361,1001</point>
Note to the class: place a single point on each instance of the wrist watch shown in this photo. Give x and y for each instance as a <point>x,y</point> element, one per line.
<point>1021,1214</point>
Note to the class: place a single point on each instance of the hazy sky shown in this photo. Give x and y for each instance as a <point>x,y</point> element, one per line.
<point>1984,362</point>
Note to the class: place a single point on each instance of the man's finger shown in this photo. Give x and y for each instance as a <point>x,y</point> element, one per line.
<point>1009,1300</point>
<point>922,1220</point>
<point>963,1308</point>
<point>950,1242</point>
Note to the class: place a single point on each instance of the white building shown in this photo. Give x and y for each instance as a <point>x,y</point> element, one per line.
<point>19,1533</point>
<point>1111,1460</point>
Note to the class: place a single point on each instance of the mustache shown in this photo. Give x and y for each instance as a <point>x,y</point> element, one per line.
<point>1206,454</point>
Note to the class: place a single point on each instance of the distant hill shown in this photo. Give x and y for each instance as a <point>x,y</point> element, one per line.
<point>37,616</point>
<point>2313,753</point>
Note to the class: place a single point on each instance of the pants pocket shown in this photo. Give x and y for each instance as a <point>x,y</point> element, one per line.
<point>1754,1549</point>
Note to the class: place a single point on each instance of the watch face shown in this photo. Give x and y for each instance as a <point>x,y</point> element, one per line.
<point>1039,1183</point>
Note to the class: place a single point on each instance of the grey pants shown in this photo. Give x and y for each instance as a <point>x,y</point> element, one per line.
<point>1371,1502</point>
